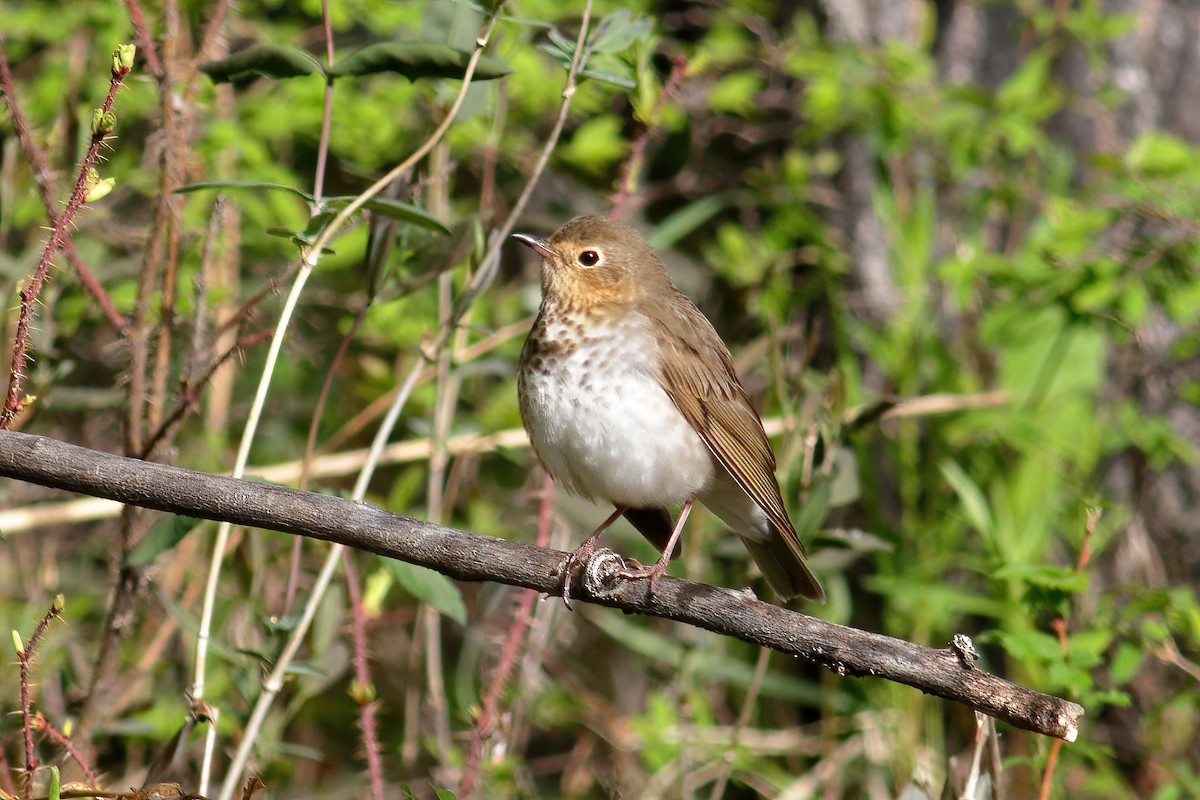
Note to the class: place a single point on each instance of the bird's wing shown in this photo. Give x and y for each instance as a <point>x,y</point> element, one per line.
<point>697,372</point>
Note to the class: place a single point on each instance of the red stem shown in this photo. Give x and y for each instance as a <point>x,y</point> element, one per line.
<point>368,709</point>
<point>628,181</point>
<point>488,713</point>
<point>13,402</point>
<point>66,744</point>
<point>25,659</point>
<point>40,171</point>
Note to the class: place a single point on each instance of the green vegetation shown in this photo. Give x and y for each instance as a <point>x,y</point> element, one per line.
<point>968,284</point>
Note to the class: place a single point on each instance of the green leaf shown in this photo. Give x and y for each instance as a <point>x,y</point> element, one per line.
<point>608,76</point>
<point>844,487</point>
<point>282,625</point>
<point>1031,647</point>
<point>304,668</point>
<point>687,219</point>
<point>393,209</point>
<point>432,588</point>
<point>597,144</point>
<point>814,511</point>
<point>443,794</point>
<point>559,45</point>
<point>974,504</point>
<point>54,788</point>
<point>261,61</point>
<point>162,536</point>
<point>1028,84</point>
<point>736,93</point>
<point>1046,576</point>
<point>415,60</point>
<point>619,30</point>
<point>312,229</point>
<point>1159,154</point>
<point>268,186</point>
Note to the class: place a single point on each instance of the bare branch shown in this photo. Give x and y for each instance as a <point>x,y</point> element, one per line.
<point>472,557</point>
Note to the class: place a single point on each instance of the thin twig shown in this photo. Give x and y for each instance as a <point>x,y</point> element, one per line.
<point>446,388</point>
<point>176,123</point>
<point>1060,626</point>
<point>274,682</point>
<point>981,736</point>
<point>748,705</point>
<point>189,397</point>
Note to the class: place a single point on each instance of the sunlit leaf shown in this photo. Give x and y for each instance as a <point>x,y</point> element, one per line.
<point>686,220</point>
<point>608,76</point>
<point>431,588</point>
<point>393,209</point>
<point>619,30</point>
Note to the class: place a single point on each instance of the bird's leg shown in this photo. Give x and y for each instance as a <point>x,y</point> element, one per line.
<point>583,552</point>
<point>659,567</point>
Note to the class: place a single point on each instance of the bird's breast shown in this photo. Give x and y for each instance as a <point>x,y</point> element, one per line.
<point>600,421</point>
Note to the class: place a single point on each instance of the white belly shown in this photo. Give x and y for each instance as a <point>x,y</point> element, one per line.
<point>603,426</point>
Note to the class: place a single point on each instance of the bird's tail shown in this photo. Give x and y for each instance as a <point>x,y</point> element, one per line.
<point>781,559</point>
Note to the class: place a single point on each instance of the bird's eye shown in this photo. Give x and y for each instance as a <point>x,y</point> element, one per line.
<point>589,258</point>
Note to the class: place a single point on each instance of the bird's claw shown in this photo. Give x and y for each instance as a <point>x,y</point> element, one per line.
<point>579,555</point>
<point>639,572</point>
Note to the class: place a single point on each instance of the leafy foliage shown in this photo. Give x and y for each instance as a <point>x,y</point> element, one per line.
<point>983,337</point>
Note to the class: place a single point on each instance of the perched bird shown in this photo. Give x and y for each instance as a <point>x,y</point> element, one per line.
<point>630,398</point>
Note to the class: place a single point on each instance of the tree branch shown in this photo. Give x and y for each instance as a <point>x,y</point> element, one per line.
<point>946,673</point>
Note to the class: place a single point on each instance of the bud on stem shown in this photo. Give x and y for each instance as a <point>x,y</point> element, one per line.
<point>122,60</point>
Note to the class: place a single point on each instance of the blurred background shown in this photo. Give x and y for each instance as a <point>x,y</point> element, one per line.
<point>952,246</point>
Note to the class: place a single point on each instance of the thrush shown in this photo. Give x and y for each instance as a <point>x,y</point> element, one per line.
<point>630,398</point>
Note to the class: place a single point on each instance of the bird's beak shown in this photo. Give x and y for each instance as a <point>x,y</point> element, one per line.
<point>539,246</point>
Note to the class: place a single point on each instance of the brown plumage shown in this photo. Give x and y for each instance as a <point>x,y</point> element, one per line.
<point>630,397</point>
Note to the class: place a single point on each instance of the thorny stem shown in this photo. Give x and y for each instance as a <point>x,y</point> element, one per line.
<point>144,40</point>
<point>189,397</point>
<point>40,171</point>
<point>66,744</point>
<point>485,724</point>
<point>363,692</point>
<point>13,403</point>
<point>25,653</point>
<point>627,184</point>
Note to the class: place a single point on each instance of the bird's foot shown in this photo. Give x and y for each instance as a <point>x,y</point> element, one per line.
<point>649,573</point>
<point>579,555</point>
<point>584,552</point>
